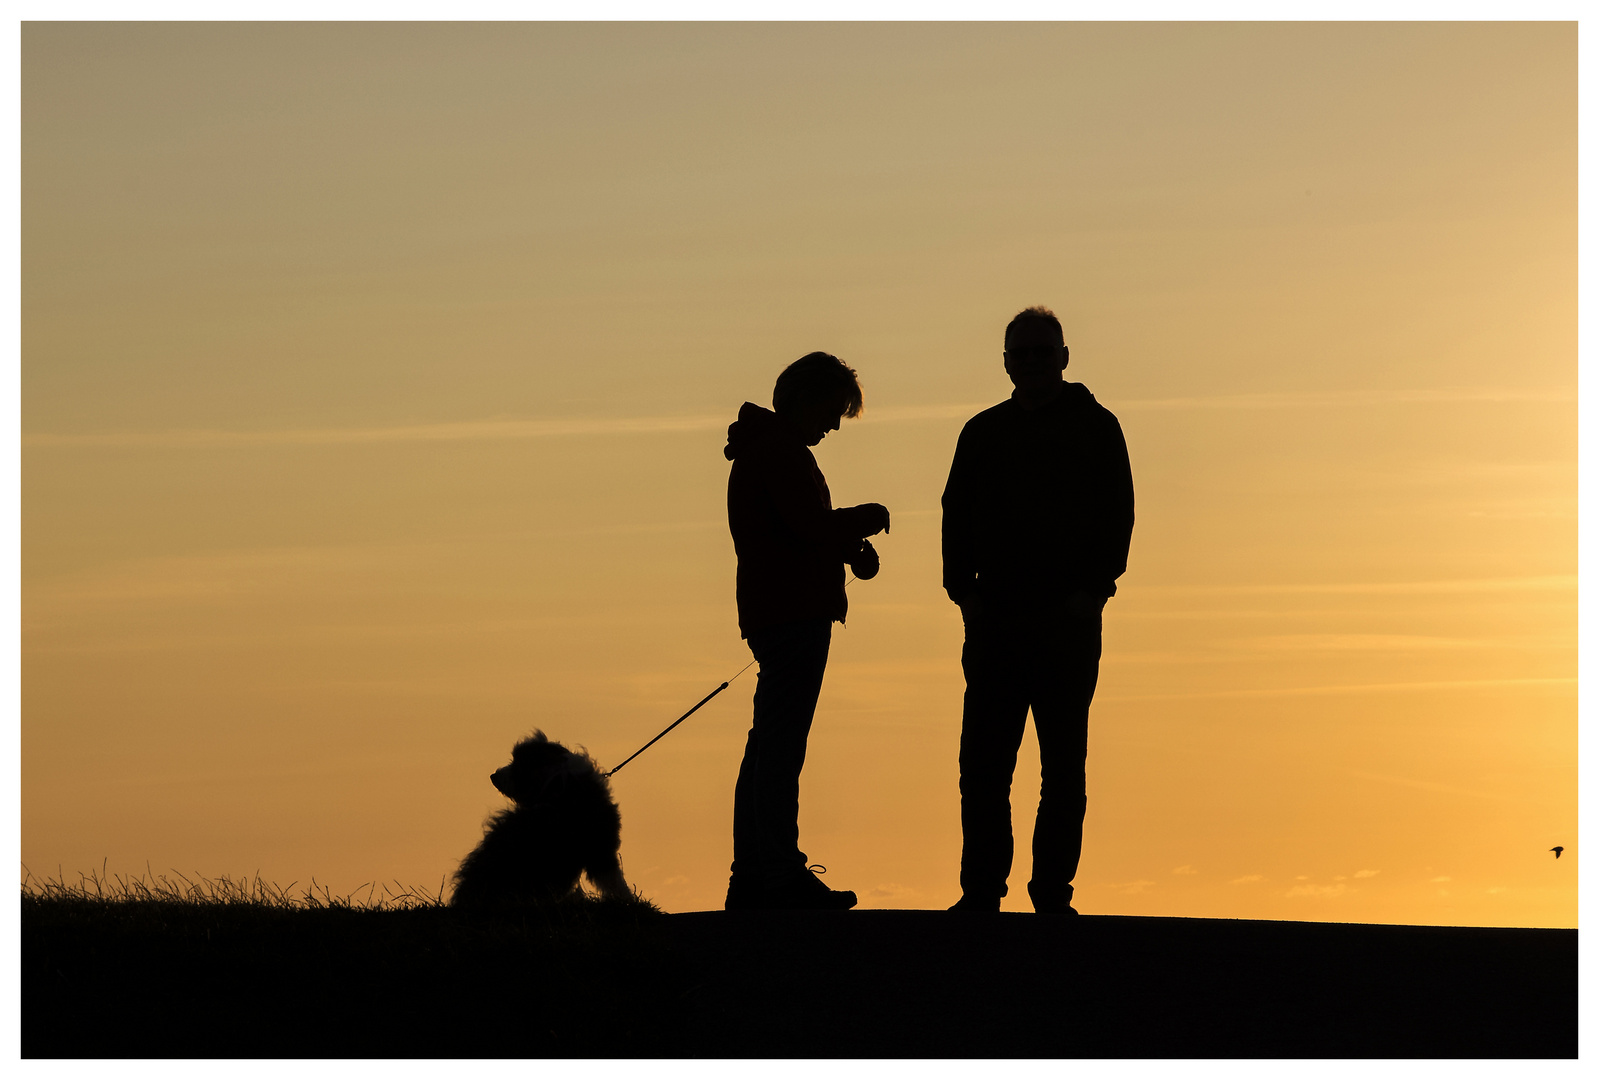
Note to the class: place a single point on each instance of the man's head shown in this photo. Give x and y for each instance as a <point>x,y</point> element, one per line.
<point>814,393</point>
<point>1035,350</point>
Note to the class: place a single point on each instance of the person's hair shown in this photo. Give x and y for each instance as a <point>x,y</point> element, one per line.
<point>818,376</point>
<point>1040,313</point>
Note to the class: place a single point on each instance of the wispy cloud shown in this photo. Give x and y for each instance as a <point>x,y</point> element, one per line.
<point>1130,888</point>
<point>492,430</point>
<point>466,431</point>
<point>1353,688</point>
<point>1454,585</point>
<point>1354,643</point>
<point>243,570</point>
<point>1367,873</point>
<point>501,429</point>
<point>1321,891</point>
<point>1185,869</point>
<point>1247,879</point>
<point>892,414</point>
<point>1423,785</point>
<point>1347,398</point>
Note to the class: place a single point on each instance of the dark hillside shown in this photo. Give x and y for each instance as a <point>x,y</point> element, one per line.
<point>929,983</point>
<point>134,979</point>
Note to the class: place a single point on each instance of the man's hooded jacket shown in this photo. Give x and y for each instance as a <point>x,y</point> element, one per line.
<point>791,544</point>
<point>1039,504</point>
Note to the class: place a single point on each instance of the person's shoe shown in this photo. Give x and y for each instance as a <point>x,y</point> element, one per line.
<point>971,904</point>
<point>1051,901</point>
<point>805,892</point>
<point>744,893</point>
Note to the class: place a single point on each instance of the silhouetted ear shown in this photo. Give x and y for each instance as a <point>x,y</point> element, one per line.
<point>553,784</point>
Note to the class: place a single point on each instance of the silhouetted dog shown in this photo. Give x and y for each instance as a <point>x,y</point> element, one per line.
<point>564,824</point>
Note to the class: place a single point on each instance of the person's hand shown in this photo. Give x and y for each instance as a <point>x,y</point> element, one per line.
<point>874,518</point>
<point>865,563</point>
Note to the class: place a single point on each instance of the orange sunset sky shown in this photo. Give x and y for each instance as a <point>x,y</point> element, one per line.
<point>375,380</point>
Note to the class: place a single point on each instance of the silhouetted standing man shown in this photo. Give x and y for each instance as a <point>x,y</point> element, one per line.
<point>1038,516</point>
<point>792,547</point>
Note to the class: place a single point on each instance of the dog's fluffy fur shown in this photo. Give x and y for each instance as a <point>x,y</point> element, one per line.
<point>564,823</point>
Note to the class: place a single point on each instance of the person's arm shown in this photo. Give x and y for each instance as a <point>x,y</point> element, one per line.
<point>791,483</point>
<point>960,521</point>
<point>1117,529</point>
<point>856,523</point>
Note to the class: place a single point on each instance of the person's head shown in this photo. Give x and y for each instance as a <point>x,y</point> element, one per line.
<point>814,393</point>
<point>1035,349</point>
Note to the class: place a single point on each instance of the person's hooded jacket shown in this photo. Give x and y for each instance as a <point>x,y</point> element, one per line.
<point>791,544</point>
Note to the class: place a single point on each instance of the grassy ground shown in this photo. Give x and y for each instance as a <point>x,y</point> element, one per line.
<point>207,968</point>
<point>222,968</point>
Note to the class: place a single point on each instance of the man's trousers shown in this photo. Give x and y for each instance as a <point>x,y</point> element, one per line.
<point>1012,663</point>
<point>793,658</point>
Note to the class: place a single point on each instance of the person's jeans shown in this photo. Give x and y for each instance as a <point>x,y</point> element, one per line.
<point>792,657</point>
<point>1050,664</point>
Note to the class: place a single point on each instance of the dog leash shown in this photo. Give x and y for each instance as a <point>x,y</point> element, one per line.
<point>694,710</point>
<point>682,718</point>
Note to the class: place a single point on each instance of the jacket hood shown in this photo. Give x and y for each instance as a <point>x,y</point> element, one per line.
<point>1074,397</point>
<point>1077,396</point>
<point>754,427</point>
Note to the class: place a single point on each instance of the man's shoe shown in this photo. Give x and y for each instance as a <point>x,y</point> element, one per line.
<point>1055,901</point>
<point>973,904</point>
<point>805,892</point>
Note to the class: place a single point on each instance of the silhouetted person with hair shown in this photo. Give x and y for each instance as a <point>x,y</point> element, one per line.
<point>792,548</point>
<point>1038,516</point>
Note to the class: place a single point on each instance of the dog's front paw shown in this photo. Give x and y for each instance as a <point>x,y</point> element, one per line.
<point>610,882</point>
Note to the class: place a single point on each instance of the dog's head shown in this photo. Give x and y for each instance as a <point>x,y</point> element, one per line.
<point>537,765</point>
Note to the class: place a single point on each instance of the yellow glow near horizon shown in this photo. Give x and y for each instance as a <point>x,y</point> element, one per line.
<point>375,379</point>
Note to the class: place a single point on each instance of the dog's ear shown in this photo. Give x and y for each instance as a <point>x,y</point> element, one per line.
<point>538,777</point>
<point>554,786</point>
<point>560,776</point>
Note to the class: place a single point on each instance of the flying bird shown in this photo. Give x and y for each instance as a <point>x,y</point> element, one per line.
<point>1557,849</point>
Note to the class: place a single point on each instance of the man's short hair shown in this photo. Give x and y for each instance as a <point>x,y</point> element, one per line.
<point>1040,313</point>
<point>818,376</point>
